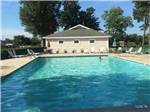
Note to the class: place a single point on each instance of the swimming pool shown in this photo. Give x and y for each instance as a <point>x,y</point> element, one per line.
<point>59,84</point>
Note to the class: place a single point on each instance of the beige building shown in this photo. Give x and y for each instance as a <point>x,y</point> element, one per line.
<point>77,39</point>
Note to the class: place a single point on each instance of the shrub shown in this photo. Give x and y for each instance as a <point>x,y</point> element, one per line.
<point>82,51</point>
<point>65,51</point>
<point>74,51</point>
<point>57,51</point>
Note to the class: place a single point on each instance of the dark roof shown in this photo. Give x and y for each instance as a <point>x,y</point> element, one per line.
<point>78,31</point>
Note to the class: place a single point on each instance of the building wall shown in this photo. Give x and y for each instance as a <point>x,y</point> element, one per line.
<point>84,44</point>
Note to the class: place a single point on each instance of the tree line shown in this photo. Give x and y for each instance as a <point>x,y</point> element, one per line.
<point>20,40</point>
<point>41,18</point>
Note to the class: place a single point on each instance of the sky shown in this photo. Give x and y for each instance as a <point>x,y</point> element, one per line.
<point>11,24</point>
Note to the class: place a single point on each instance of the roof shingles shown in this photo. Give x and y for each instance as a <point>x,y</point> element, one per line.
<point>78,32</point>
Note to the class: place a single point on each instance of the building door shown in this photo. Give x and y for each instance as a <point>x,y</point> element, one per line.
<point>43,42</point>
<point>49,45</point>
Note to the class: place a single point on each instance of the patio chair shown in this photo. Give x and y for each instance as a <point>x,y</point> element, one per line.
<point>16,55</point>
<point>119,50</point>
<point>11,54</point>
<point>139,51</point>
<point>129,50</point>
<point>86,51</point>
<point>101,50</point>
<point>37,53</point>
<point>31,53</point>
<point>92,50</point>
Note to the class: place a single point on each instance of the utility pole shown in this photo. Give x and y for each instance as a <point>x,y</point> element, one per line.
<point>149,23</point>
<point>149,18</point>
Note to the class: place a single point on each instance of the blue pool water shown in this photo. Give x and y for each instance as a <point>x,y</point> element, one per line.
<point>60,84</point>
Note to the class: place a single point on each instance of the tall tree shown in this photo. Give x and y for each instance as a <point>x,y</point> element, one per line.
<point>116,23</point>
<point>70,14</point>
<point>141,13</point>
<point>88,19</point>
<point>40,17</point>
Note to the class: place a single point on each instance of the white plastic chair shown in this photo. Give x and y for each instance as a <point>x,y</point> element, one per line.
<point>92,50</point>
<point>139,51</point>
<point>85,51</point>
<point>101,50</point>
<point>37,53</point>
<point>130,50</point>
<point>13,54</point>
<point>31,54</point>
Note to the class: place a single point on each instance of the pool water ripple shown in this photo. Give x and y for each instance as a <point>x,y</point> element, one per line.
<point>59,84</point>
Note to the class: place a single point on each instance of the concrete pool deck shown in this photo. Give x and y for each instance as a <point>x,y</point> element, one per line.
<point>144,58</point>
<point>10,65</point>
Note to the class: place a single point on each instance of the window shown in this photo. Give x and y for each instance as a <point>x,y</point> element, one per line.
<point>92,41</point>
<point>76,41</point>
<point>61,42</point>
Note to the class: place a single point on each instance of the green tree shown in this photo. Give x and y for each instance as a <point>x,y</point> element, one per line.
<point>21,40</point>
<point>70,14</point>
<point>116,23</point>
<point>141,13</point>
<point>35,41</point>
<point>147,38</point>
<point>137,39</point>
<point>88,19</point>
<point>40,17</point>
<point>6,41</point>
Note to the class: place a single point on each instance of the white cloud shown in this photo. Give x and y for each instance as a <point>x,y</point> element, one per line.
<point>10,33</point>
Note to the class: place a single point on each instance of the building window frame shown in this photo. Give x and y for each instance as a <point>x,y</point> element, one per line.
<point>75,42</point>
<point>92,40</point>
<point>61,41</point>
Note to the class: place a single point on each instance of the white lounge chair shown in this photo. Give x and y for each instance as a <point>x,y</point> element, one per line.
<point>37,53</point>
<point>120,49</point>
<point>13,54</point>
<point>86,51</point>
<point>31,53</point>
<point>92,50</point>
<point>139,51</point>
<point>101,50</point>
<point>130,50</point>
